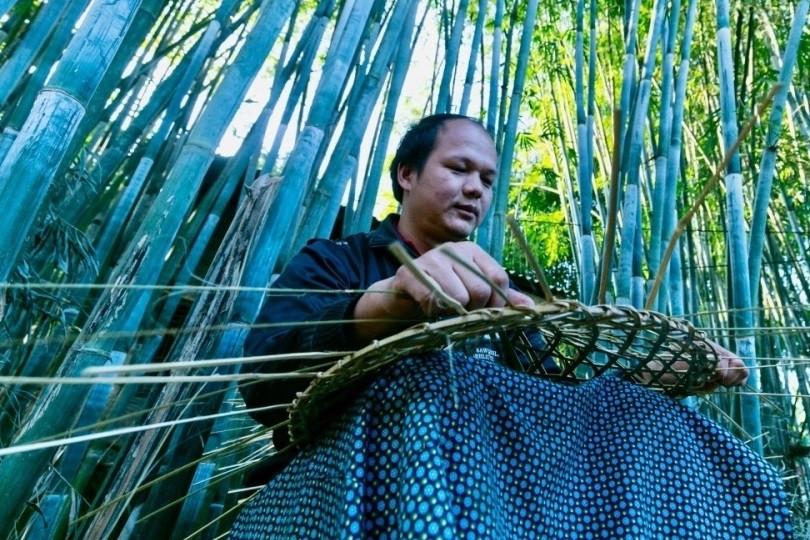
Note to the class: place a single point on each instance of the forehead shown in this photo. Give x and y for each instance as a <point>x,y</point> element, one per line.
<point>459,135</point>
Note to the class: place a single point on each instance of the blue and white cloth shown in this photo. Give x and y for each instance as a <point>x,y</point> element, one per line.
<point>467,448</point>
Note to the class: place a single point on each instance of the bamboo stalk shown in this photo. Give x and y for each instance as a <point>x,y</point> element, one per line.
<point>707,188</point>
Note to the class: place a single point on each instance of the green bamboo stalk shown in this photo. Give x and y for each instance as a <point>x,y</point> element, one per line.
<point>320,215</point>
<point>501,198</point>
<point>210,213</point>
<point>767,164</point>
<point>111,160</point>
<point>287,204</point>
<point>704,193</point>
<point>29,166</point>
<point>472,61</point>
<point>6,5</point>
<point>209,309</point>
<point>483,237</point>
<point>181,81</point>
<point>49,522</point>
<point>503,104</point>
<point>453,45</point>
<point>797,268</point>
<point>613,202</point>
<point>632,158</point>
<point>112,227</point>
<point>795,230</point>
<point>11,71</point>
<point>194,512</point>
<point>692,260</point>
<point>673,160</point>
<point>590,122</point>
<point>44,63</point>
<point>742,317</point>
<point>571,208</point>
<point>311,40</point>
<point>361,220</point>
<point>280,80</point>
<point>586,180</point>
<point>54,516</point>
<point>584,169</point>
<point>495,68</point>
<point>293,241</point>
<point>665,129</point>
<point>72,205</point>
<point>142,259</point>
<point>632,13</point>
<point>13,28</point>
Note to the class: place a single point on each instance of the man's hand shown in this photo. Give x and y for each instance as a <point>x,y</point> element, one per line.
<point>404,297</point>
<point>457,281</point>
<point>729,371</point>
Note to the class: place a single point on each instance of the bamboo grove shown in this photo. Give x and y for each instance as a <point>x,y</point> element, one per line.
<point>656,154</point>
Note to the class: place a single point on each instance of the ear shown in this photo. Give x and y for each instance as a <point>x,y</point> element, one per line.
<point>406,176</point>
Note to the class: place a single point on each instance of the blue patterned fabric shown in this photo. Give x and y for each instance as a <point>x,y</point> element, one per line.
<point>467,448</point>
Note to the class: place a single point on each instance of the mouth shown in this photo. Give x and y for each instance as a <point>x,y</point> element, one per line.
<point>469,209</point>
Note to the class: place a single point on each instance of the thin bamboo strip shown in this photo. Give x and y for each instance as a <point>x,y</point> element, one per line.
<point>199,364</point>
<point>55,443</point>
<point>613,203</point>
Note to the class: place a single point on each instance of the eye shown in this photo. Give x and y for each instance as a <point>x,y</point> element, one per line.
<point>458,168</point>
<point>488,180</point>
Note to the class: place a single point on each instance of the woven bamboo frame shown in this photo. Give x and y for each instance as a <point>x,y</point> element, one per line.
<point>666,354</point>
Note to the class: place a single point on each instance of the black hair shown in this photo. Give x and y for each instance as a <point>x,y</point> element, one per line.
<point>417,144</point>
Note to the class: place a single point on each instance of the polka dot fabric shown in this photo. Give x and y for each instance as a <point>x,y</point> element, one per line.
<point>470,449</point>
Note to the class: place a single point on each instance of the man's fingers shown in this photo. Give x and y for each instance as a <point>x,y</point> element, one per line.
<point>736,373</point>
<point>451,296</point>
<point>485,281</point>
<point>459,274</point>
<point>731,370</point>
<point>518,298</point>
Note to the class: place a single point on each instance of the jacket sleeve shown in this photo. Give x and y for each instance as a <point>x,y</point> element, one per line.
<point>307,309</point>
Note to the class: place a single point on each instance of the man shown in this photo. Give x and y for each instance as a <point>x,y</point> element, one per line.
<point>443,174</point>
<point>430,445</point>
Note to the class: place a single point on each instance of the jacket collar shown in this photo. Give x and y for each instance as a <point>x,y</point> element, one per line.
<point>386,233</point>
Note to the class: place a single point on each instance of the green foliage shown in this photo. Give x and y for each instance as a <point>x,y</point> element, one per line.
<point>538,205</point>
<point>65,245</point>
<point>27,303</point>
<point>546,233</point>
<point>802,75</point>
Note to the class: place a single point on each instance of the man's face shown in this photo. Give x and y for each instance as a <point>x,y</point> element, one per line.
<point>449,198</point>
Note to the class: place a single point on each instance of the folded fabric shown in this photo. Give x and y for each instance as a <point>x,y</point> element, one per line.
<point>447,445</point>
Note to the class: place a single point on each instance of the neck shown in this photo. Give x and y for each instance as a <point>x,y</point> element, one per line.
<point>411,235</point>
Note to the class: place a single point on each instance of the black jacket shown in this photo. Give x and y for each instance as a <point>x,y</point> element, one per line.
<point>320,284</point>
<point>320,287</point>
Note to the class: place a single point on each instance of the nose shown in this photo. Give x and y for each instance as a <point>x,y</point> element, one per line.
<point>473,185</point>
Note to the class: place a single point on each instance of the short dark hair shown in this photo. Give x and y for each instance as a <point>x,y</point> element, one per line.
<point>417,144</point>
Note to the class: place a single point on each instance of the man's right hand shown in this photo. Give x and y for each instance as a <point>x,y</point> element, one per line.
<point>393,302</point>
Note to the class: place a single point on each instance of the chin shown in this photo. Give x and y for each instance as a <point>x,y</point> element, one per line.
<point>460,234</point>
<point>458,230</point>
